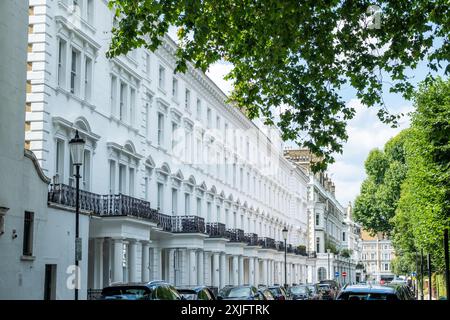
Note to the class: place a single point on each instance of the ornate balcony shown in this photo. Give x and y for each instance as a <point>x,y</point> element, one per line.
<point>164,221</point>
<point>235,235</point>
<point>216,229</point>
<point>251,239</point>
<point>122,205</point>
<point>188,224</point>
<point>267,243</point>
<point>66,195</point>
<point>300,251</point>
<point>312,254</point>
<point>279,245</point>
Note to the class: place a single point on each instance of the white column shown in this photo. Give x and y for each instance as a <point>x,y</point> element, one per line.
<point>145,270</point>
<point>235,270</point>
<point>215,275</point>
<point>264,272</point>
<point>241,270</point>
<point>192,267</point>
<point>207,264</point>
<point>251,271</point>
<point>271,262</point>
<point>132,261</point>
<point>200,268</point>
<point>98,264</point>
<point>222,268</point>
<point>257,280</point>
<point>118,260</point>
<point>174,279</point>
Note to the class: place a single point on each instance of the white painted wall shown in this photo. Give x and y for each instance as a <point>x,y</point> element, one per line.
<point>22,186</point>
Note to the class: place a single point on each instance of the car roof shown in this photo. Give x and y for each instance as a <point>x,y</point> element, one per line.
<point>369,288</point>
<point>137,284</point>
<point>193,288</point>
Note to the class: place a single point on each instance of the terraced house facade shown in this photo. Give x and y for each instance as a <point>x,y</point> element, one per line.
<point>178,184</point>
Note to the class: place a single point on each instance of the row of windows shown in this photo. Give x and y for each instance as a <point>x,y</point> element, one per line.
<point>79,75</point>
<point>122,179</point>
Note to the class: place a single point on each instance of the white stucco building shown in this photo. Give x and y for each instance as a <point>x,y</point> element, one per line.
<point>178,184</point>
<point>377,255</point>
<point>331,229</point>
<point>36,241</point>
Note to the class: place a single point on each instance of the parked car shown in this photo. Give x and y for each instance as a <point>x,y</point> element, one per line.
<point>239,293</point>
<point>300,292</point>
<point>316,293</point>
<point>403,290</point>
<point>266,294</point>
<point>369,292</point>
<point>279,292</point>
<point>196,293</point>
<point>327,291</point>
<point>153,290</point>
<point>334,285</point>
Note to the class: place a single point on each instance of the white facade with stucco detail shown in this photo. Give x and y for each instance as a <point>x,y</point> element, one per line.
<point>179,184</point>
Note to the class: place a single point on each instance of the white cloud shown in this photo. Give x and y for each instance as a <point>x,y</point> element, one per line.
<point>219,70</point>
<point>366,132</point>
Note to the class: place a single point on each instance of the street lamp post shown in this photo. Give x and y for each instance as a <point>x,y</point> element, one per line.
<point>285,233</point>
<point>329,272</point>
<point>77,152</point>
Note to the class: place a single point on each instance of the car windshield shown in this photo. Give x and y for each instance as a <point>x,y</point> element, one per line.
<point>324,287</point>
<point>276,291</point>
<point>298,290</point>
<point>126,293</point>
<point>236,292</point>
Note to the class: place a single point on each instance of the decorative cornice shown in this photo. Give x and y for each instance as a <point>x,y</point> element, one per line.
<point>30,155</point>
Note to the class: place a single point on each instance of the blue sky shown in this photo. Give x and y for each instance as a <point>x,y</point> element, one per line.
<point>365,130</point>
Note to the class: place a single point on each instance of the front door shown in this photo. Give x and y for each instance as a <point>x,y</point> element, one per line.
<point>50,282</point>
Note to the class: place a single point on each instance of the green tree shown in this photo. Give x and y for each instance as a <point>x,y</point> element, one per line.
<point>376,204</point>
<point>424,207</point>
<point>297,54</point>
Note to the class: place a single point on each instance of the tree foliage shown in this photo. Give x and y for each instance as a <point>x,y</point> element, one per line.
<point>297,54</point>
<point>377,202</point>
<point>424,207</point>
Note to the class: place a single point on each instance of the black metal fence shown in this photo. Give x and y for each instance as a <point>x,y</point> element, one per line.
<point>216,229</point>
<point>235,235</point>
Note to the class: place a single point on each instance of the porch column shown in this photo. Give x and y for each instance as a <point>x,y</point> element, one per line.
<point>118,260</point>
<point>222,268</point>
<point>216,275</point>
<point>207,264</point>
<point>256,263</point>
<point>192,267</point>
<point>98,263</point>
<point>145,271</point>
<point>132,257</point>
<point>241,270</point>
<point>235,270</point>
<point>264,272</point>
<point>200,268</point>
<point>251,271</point>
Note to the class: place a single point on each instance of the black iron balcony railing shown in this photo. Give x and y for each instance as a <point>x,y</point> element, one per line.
<point>267,243</point>
<point>66,195</point>
<point>188,224</point>
<point>164,221</point>
<point>300,251</point>
<point>122,205</point>
<point>216,229</point>
<point>251,239</point>
<point>279,245</point>
<point>235,235</point>
<point>290,248</point>
<point>312,254</point>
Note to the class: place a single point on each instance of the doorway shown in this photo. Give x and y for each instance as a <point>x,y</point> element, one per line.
<point>50,282</point>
